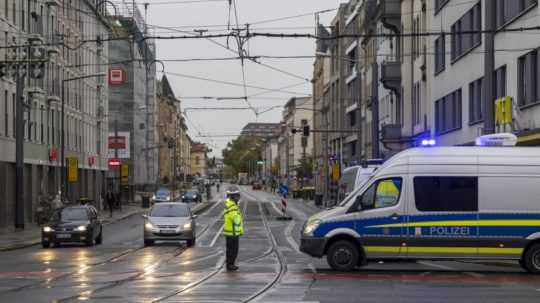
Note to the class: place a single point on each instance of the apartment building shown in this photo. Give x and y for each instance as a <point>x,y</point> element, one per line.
<point>471,71</point>
<point>76,34</point>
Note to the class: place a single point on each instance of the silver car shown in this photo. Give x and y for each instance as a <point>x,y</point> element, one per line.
<point>169,221</point>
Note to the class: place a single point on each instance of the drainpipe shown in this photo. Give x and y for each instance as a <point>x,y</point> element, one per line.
<point>489,68</point>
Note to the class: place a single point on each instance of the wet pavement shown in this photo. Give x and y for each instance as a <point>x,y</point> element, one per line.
<point>271,269</point>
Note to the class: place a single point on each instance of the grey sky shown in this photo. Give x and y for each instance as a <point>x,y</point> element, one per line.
<point>190,16</point>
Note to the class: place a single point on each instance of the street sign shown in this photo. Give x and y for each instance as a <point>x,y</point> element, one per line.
<point>114,163</point>
<point>119,144</point>
<point>73,169</point>
<point>116,77</point>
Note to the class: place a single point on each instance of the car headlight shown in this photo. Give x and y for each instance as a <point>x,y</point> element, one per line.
<point>168,199</point>
<point>183,197</point>
<point>311,226</point>
<point>149,225</point>
<point>153,197</point>
<point>187,225</point>
<point>47,229</point>
<point>81,228</point>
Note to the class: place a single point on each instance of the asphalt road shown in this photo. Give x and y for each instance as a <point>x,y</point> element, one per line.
<point>271,269</point>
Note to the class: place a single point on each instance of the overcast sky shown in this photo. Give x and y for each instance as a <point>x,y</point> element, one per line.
<point>191,16</point>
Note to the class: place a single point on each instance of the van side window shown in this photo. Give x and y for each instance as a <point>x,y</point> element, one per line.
<point>446,194</point>
<point>382,194</point>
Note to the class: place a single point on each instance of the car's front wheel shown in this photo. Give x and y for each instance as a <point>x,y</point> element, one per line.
<point>343,255</point>
<point>46,244</point>
<point>148,242</point>
<point>191,242</point>
<point>99,238</point>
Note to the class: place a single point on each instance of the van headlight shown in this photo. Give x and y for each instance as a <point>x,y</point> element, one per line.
<point>311,226</point>
<point>47,229</point>
<point>81,228</point>
<point>187,225</point>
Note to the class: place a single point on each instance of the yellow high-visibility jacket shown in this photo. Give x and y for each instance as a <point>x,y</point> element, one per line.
<point>233,223</point>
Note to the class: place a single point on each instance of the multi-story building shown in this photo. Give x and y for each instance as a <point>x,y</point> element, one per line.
<point>169,132</point>
<point>132,99</point>
<point>76,35</point>
<point>470,71</point>
<point>199,160</point>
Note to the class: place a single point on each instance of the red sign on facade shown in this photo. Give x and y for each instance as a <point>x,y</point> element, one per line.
<point>117,142</point>
<point>116,77</point>
<point>53,154</point>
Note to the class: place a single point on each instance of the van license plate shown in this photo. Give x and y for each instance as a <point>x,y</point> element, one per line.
<point>63,236</point>
<point>168,231</point>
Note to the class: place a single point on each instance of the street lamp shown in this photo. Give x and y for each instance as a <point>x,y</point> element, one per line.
<point>63,147</point>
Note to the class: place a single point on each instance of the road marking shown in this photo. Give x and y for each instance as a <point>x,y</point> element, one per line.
<point>289,237</point>
<point>436,265</point>
<point>216,236</point>
<point>214,206</point>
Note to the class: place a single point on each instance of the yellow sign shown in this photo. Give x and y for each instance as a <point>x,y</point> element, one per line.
<point>124,179</point>
<point>336,172</point>
<point>73,169</point>
<point>503,111</point>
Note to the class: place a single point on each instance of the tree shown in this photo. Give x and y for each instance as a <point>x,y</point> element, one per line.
<point>240,152</point>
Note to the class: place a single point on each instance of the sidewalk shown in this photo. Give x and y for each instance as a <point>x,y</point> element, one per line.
<point>11,240</point>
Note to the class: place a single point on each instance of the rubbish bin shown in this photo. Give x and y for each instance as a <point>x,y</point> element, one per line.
<point>145,201</point>
<point>318,199</point>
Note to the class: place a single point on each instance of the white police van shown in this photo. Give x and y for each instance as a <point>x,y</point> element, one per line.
<point>438,203</point>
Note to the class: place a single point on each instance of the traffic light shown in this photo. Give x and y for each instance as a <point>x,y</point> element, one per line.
<point>306,130</point>
<point>37,56</point>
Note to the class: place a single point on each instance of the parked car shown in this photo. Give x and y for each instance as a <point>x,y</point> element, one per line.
<point>256,186</point>
<point>162,195</point>
<point>169,221</point>
<point>192,196</point>
<point>73,224</point>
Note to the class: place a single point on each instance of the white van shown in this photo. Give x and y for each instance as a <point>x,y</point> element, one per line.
<point>355,176</point>
<point>437,203</point>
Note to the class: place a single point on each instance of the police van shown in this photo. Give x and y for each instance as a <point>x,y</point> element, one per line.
<point>435,203</point>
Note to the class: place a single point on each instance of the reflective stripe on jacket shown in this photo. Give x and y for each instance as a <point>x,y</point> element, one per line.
<point>232,217</point>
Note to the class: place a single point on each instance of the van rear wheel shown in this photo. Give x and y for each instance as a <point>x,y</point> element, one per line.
<point>342,255</point>
<point>531,259</point>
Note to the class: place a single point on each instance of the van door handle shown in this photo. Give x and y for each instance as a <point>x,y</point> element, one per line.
<point>395,217</point>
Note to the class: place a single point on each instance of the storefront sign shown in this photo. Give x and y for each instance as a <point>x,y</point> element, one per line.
<point>73,169</point>
<point>119,144</point>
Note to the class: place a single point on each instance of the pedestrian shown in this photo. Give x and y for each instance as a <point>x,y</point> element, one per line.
<point>217,187</point>
<point>110,200</point>
<point>233,227</point>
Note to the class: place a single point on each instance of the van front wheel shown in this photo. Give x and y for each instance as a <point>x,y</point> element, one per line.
<point>342,255</point>
<point>531,259</point>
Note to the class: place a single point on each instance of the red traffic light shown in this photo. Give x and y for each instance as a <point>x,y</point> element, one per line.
<point>115,162</point>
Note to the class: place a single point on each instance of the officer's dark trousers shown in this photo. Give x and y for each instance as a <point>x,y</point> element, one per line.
<point>232,249</point>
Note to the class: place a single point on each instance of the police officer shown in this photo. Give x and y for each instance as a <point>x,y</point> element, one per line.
<point>233,227</point>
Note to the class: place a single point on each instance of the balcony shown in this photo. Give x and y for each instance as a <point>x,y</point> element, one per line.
<point>389,12</point>
<point>37,31</point>
<point>391,76</point>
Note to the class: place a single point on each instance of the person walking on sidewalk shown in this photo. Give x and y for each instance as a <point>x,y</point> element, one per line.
<point>233,227</point>
<point>110,199</point>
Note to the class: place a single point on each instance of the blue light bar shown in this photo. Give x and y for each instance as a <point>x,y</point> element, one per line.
<point>428,142</point>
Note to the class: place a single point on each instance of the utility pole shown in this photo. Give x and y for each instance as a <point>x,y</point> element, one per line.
<point>489,68</point>
<point>19,146</point>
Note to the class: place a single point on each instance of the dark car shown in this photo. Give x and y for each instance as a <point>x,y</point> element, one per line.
<point>256,186</point>
<point>191,197</point>
<point>73,224</point>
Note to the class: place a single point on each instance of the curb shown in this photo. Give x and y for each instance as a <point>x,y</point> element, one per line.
<point>34,242</point>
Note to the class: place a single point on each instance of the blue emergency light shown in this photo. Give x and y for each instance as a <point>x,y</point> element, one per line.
<point>428,142</point>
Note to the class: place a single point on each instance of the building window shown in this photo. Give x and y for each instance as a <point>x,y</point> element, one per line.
<point>508,10</point>
<point>528,80</point>
<point>6,113</point>
<point>448,113</point>
<point>416,101</point>
<point>440,54</point>
<point>475,101</point>
<point>197,160</point>
<point>446,194</point>
<point>464,42</point>
<point>500,78</point>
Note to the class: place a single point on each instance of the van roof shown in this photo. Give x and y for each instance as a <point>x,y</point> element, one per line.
<point>463,151</point>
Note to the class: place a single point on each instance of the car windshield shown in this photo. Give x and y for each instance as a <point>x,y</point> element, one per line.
<point>73,214</point>
<point>191,194</point>
<point>170,211</point>
<point>163,192</point>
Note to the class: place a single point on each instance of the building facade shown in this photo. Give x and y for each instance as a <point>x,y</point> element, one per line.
<point>133,107</point>
<point>199,160</point>
<point>63,29</point>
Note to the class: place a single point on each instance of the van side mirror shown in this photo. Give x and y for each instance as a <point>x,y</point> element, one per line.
<point>194,216</point>
<point>364,204</point>
<point>145,216</point>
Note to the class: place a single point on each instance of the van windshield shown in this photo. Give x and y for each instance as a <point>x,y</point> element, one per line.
<point>354,193</point>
